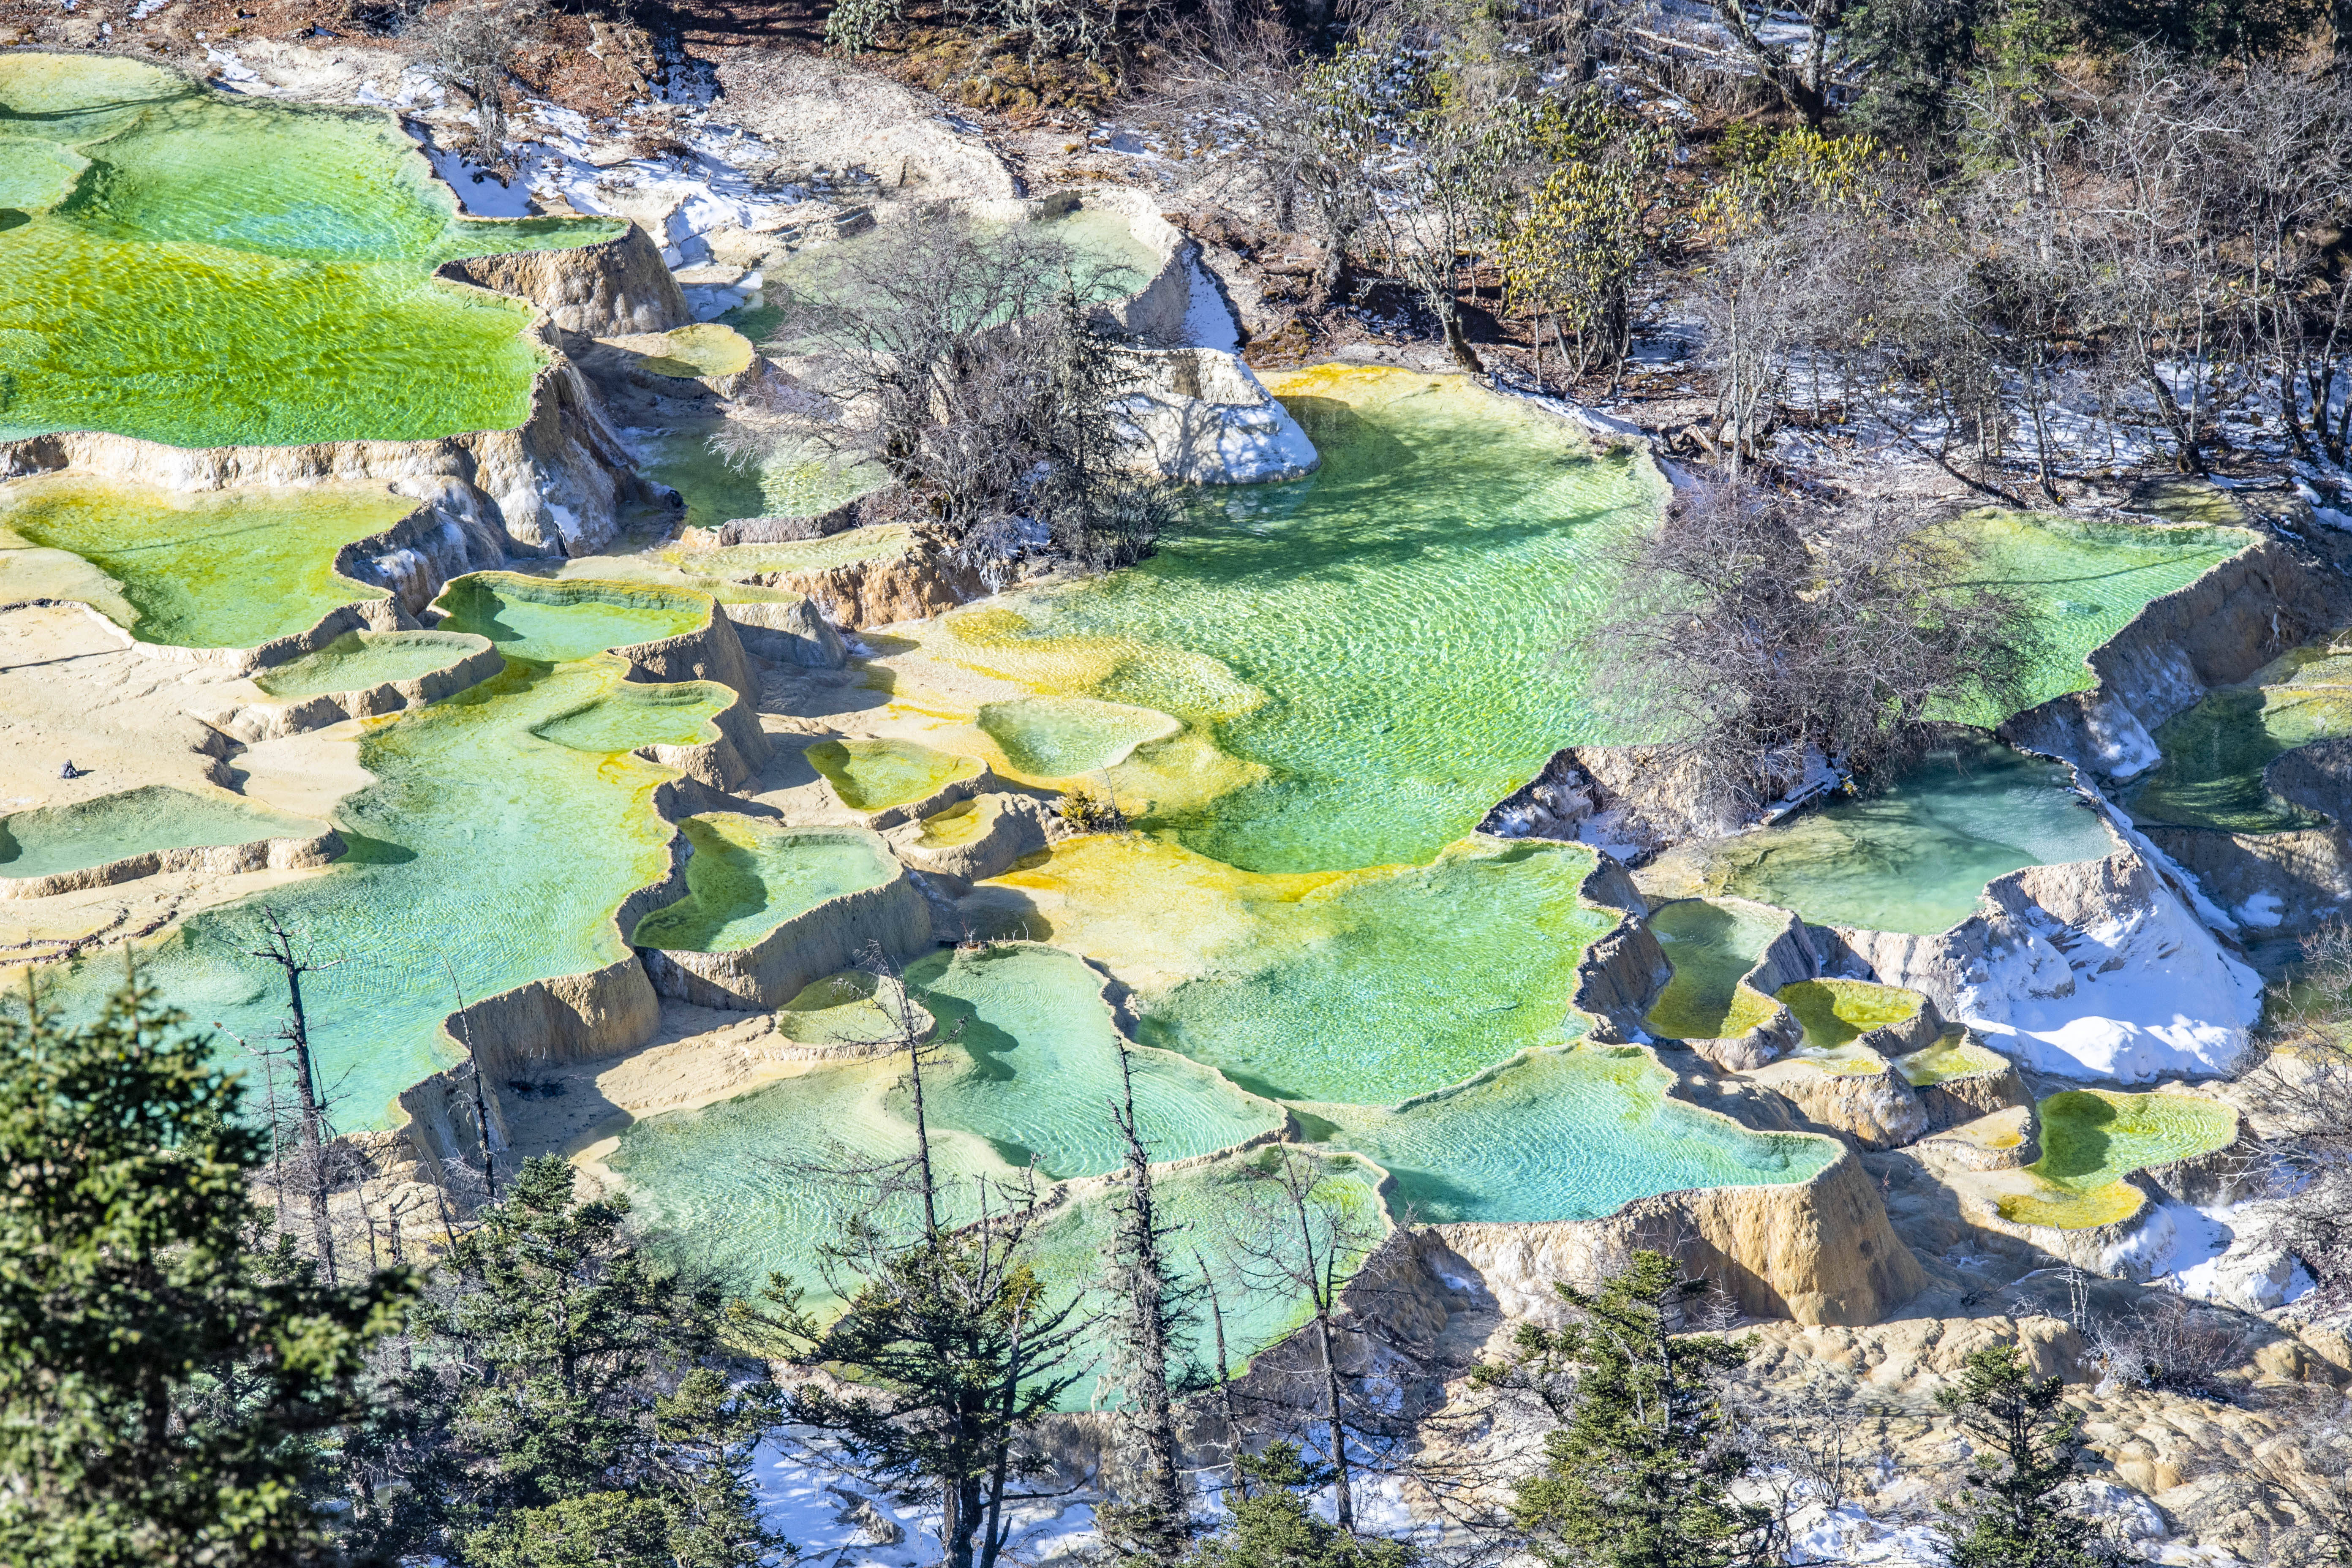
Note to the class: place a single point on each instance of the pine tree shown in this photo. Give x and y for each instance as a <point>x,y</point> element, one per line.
<point>1272,1526</point>
<point>560,1403</point>
<point>2004,1516</point>
<point>1637,1475</point>
<point>166,1391</point>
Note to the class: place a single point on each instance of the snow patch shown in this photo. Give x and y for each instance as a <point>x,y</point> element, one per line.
<point>2145,992</point>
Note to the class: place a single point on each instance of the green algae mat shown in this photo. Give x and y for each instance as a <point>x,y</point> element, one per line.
<point>2092,1138</point>
<point>2083,580</point>
<point>357,661</point>
<point>204,269</point>
<point>1711,946</point>
<point>1833,1012</point>
<point>207,569</point>
<point>2214,753</point>
<point>1380,648</point>
<point>1559,1134</point>
<point>747,877</point>
<point>874,775</point>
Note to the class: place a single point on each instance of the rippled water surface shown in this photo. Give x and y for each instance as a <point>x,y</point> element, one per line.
<point>209,568</point>
<point>207,269</point>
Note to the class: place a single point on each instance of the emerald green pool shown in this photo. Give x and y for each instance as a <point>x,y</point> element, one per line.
<point>56,839</point>
<point>2083,581</point>
<point>1711,945</point>
<point>1062,737</point>
<point>2211,772</point>
<point>207,269</point>
<point>747,877</point>
<point>1385,641</point>
<point>1030,1073</point>
<point>356,661</point>
<point>1375,988</point>
<point>209,568</point>
<point>1833,1012</point>
<point>873,775</point>
<point>1572,1133</point>
<point>481,845</point>
<point>627,717</point>
<point>554,622</point>
<point>1913,856</point>
<point>2092,1138</point>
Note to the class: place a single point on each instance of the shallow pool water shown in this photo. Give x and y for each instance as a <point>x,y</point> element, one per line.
<point>50,839</point>
<point>1222,1213</point>
<point>873,775</point>
<point>205,268</point>
<point>552,622</point>
<point>1379,986</point>
<point>1913,856</point>
<point>1025,1067</point>
<point>1062,737</point>
<point>2212,774</point>
<point>480,847</point>
<point>356,661</point>
<point>635,714</point>
<point>2092,1138</point>
<point>716,489</point>
<point>203,569</point>
<point>2083,580</point>
<point>1381,647</point>
<point>1571,1133</point>
<point>1711,944</point>
<point>1953,1056</point>
<point>1835,1012</point>
<point>741,561</point>
<point>1035,1069</point>
<point>748,876</point>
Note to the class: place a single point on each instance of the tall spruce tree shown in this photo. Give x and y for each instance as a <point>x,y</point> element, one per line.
<point>2006,1515</point>
<point>165,1390</point>
<point>562,1401</point>
<point>1637,1475</point>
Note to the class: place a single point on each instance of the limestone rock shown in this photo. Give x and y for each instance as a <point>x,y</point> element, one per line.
<point>788,633</point>
<point>918,579</point>
<point>806,947</point>
<point>1203,416</point>
<point>2004,1140</point>
<point>2221,629</point>
<point>1818,1251</point>
<point>1877,1110</point>
<point>974,839</point>
<point>597,290</point>
<point>2095,969</point>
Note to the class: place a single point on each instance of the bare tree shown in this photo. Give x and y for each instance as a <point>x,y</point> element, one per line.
<point>969,368</point>
<point>1757,630</point>
<point>1292,1235</point>
<point>472,45</point>
<point>1149,1314</point>
<point>312,1131</point>
<point>954,1347</point>
<point>2303,1089</point>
